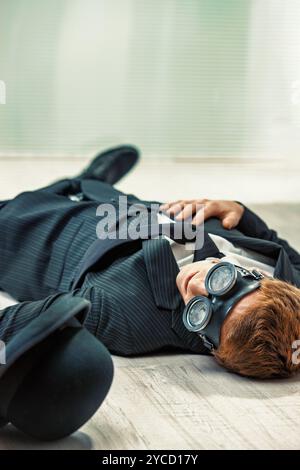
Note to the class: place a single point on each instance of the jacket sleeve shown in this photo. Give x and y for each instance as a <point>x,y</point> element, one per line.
<point>107,321</point>
<point>16,317</point>
<point>253,226</point>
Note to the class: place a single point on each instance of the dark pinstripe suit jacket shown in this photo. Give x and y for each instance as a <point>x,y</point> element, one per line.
<point>48,244</point>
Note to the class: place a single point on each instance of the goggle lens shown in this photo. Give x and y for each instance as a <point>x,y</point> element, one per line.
<point>220,279</point>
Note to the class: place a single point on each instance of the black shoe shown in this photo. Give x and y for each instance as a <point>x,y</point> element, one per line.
<point>112,165</point>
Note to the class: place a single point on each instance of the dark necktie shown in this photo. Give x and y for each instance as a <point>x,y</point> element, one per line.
<point>182,233</point>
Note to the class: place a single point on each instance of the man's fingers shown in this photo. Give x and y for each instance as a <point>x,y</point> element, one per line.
<point>170,207</point>
<point>189,210</point>
<point>175,208</point>
<point>210,209</point>
<point>230,220</point>
<point>201,209</point>
<point>164,206</point>
<point>198,219</point>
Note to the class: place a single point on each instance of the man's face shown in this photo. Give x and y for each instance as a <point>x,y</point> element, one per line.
<point>191,279</point>
<point>191,282</point>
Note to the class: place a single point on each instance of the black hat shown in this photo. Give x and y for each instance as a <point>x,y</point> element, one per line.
<point>56,374</point>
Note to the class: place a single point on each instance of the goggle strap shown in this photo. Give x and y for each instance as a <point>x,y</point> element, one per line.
<point>206,342</point>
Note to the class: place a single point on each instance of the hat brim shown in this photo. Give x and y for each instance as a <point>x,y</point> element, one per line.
<point>60,311</point>
<point>64,388</point>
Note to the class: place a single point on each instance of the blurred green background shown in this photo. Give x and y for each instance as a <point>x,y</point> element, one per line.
<point>190,79</point>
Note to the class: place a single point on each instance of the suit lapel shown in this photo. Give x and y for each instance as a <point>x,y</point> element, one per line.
<point>209,249</point>
<point>162,268</point>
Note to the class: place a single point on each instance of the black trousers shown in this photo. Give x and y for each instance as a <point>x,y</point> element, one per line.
<point>30,225</point>
<point>37,229</point>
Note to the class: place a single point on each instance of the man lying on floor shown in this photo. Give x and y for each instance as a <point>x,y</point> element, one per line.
<point>236,295</point>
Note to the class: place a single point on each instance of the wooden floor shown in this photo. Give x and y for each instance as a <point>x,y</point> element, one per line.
<point>184,402</point>
<point>189,402</point>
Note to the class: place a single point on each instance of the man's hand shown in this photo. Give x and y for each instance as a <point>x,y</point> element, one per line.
<point>229,212</point>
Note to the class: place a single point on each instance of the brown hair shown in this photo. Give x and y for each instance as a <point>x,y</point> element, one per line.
<point>259,342</point>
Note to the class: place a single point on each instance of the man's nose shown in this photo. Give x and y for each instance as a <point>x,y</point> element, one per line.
<point>199,288</point>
